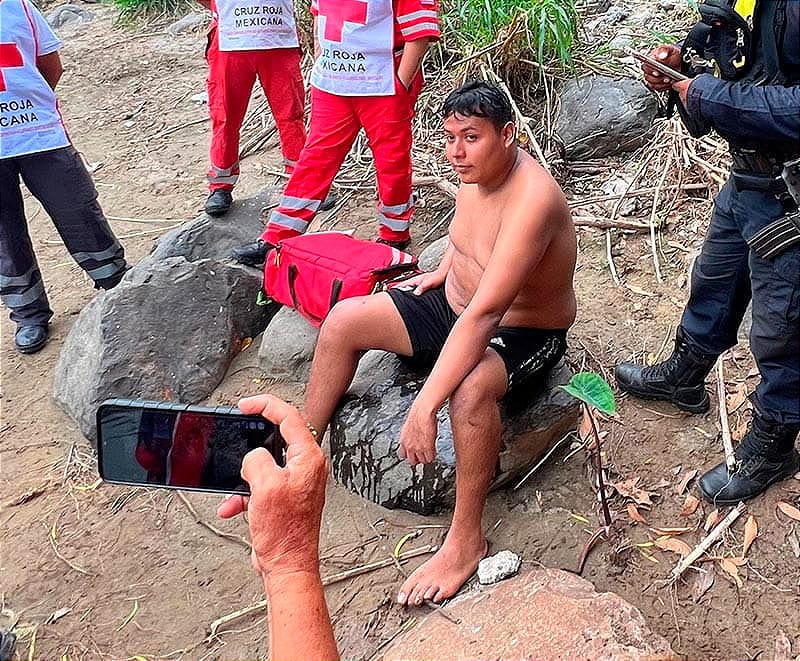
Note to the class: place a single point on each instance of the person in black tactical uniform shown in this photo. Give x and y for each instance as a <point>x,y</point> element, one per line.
<point>752,249</point>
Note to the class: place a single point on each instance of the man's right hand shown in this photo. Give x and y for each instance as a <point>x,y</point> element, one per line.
<point>667,54</point>
<point>423,282</point>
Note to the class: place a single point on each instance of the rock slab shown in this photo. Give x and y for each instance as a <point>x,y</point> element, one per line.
<point>171,328</point>
<point>365,433</point>
<point>543,614</point>
<point>602,116</point>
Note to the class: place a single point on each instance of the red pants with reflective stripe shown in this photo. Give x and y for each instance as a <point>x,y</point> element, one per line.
<point>231,75</point>
<point>335,123</point>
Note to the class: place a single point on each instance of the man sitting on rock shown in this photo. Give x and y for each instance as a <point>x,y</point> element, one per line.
<point>492,320</point>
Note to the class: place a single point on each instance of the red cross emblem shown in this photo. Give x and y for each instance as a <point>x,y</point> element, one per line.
<point>339,12</point>
<point>9,57</point>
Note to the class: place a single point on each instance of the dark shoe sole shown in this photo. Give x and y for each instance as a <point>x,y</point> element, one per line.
<point>700,407</point>
<point>216,212</point>
<point>32,348</point>
<point>735,501</point>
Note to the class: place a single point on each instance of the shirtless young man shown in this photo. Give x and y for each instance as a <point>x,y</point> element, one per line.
<point>492,319</point>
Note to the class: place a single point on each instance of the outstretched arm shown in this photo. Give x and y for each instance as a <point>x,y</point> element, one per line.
<point>285,510</point>
<point>744,111</point>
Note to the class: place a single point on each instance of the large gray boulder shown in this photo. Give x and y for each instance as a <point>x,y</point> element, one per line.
<point>171,328</point>
<point>543,614</point>
<point>602,116</point>
<point>68,14</point>
<point>287,346</point>
<point>365,433</point>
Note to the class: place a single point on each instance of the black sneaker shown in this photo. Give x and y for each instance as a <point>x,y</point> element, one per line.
<point>766,455</point>
<point>31,338</point>
<point>679,379</point>
<point>400,245</point>
<point>219,202</point>
<point>253,254</point>
<point>8,643</point>
<point>329,202</point>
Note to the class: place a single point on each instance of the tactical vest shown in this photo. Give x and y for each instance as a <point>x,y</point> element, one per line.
<point>740,40</point>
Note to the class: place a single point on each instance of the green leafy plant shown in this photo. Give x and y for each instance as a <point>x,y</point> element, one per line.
<point>544,29</point>
<point>134,9</point>
<point>595,394</point>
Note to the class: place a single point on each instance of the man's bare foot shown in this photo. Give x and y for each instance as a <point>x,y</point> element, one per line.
<point>441,576</point>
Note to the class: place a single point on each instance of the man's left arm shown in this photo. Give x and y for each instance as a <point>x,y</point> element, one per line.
<point>519,248</point>
<point>744,111</point>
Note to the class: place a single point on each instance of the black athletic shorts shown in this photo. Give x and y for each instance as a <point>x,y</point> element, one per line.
<point>528,353</point>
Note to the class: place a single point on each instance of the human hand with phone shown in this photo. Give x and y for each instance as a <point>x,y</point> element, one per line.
<point>669,56</point>
<point>284,514</point>
<point>285,504</point>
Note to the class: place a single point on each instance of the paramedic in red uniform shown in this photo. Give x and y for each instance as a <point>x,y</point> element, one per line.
<point>366,74</point>
<point>249,39</point>
<point>34,146</point>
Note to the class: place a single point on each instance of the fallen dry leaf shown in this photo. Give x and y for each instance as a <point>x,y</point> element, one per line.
<point>731,569</point>
<point>737,398</point>
<point>789,510</point>
<point>794,541</point>
<point>783,647</point>
<point>666,532</point>
<point>675,545</point>
<point>628,489</point>
<point>738,432</point>
<point>635,514</point>
<point>585,429</point>
<point>690,505</point>
<point>688,476</point>
<point>711,520</point>
<point>750,533</point>
<point>700,582</point>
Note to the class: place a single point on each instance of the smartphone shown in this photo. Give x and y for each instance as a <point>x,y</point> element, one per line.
<point>179,446</point>
<point>669,72</point>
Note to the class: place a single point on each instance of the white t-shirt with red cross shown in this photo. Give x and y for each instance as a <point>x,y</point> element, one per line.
<point>255,24</point>
<point>29,117</point>
<point>358,40</point>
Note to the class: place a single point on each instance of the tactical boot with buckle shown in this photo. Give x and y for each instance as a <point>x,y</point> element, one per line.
<point>765,455</point>
<point>680,379</point>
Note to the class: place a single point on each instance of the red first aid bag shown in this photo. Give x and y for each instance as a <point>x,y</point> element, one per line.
<point>311,272</point>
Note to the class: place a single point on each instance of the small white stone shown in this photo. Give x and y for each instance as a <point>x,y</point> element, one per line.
<point>498,566</point>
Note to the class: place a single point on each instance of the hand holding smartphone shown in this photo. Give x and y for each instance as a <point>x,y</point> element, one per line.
<point>663,69</point>
<point>165,444</point>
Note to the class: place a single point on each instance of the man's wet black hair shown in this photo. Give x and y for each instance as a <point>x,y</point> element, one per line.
<point>479,99</point>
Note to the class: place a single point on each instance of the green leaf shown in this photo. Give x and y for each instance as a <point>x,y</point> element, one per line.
<point>591,389</point>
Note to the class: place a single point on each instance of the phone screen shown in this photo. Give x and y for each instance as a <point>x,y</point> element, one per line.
<point>142,444</point>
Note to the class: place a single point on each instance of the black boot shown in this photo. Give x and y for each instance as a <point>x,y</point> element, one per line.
<point>31,338</point>
<point>219,202</point>
<point>765,455</point>
<point>680,379</point>
<point>253,254</point>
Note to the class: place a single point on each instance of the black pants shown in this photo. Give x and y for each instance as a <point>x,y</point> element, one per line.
<point>727,276</point>
<point>60,181</point>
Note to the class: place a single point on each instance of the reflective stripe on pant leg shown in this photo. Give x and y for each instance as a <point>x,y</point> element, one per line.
<point>387,123</point>
<point>231,75</point>
<point>60,181</point>
<point>21,287</point>
<point>282,82</point>
<point>223,177</point>
<point>333,129</point>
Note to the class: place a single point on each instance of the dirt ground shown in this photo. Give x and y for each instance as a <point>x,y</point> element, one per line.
<point>93,571</point>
